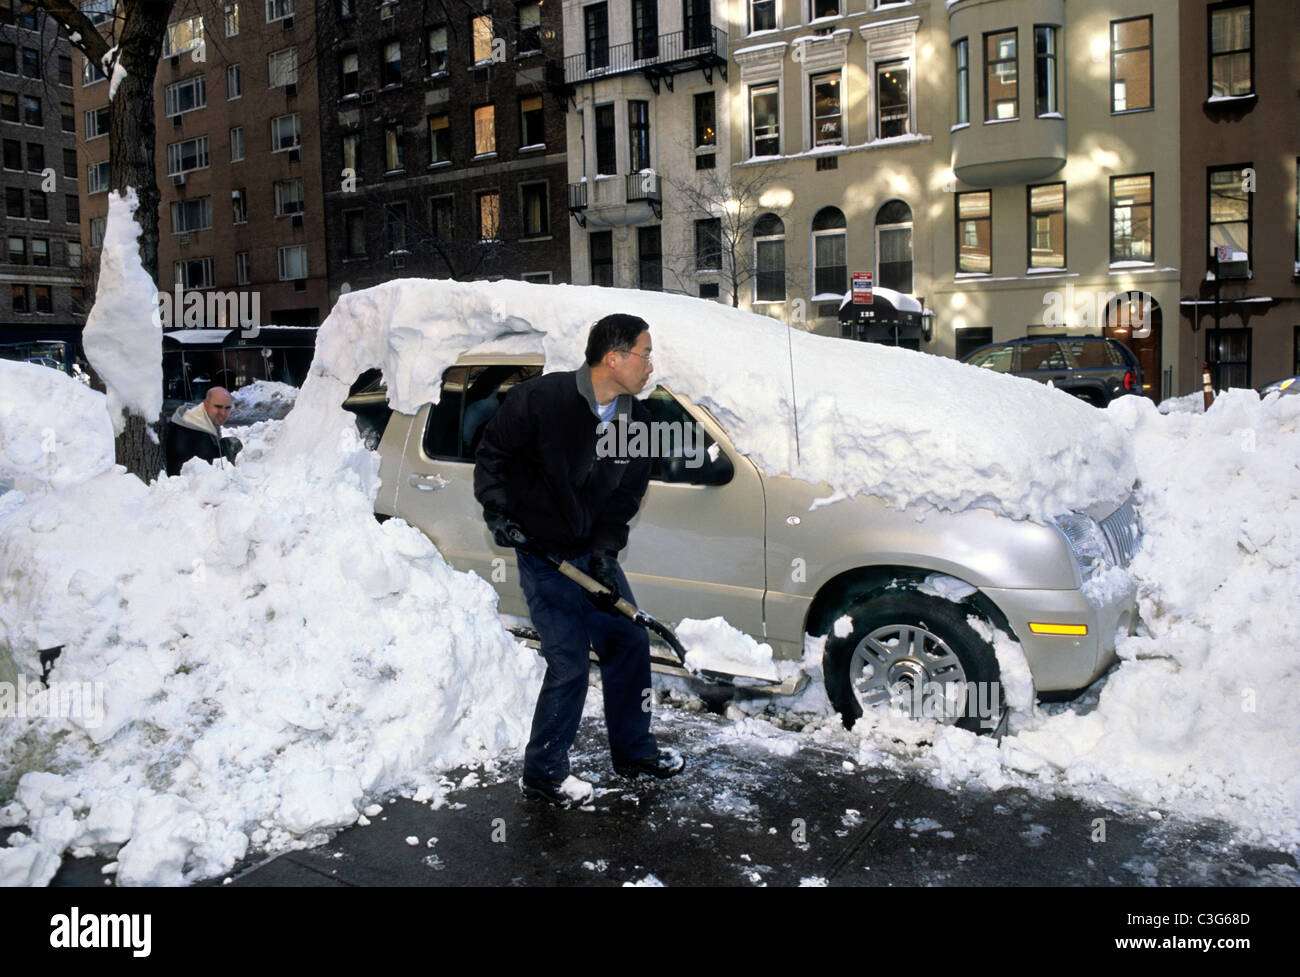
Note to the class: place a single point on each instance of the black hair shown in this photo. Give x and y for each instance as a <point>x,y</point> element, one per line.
<point>617,333</point>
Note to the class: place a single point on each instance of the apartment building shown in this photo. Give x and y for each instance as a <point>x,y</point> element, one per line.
<point>1240,155</point>
<point>443,141</point>
<point>42,297</point>
<point>648,146</point>
<point>237,156</point>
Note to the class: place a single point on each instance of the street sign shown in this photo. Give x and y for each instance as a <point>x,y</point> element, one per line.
<point>862,287</point>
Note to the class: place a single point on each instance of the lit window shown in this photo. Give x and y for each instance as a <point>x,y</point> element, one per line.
<point>439,139</point>
<point>1232,51</point>
<point>893,99</point>
<point>394,148</point>
<point>826,120</point>
<point>489,216</point>
<point>351,151</point>
<point>482,33</point>
<point>485,133</point>
<point>765,115</point>
<point>1230,214</point>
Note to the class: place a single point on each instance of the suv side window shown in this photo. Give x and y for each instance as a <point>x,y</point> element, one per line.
<point>1000,359</point>
<point>682,446</point>
<point>1094,355</point>
<point>1042,356</point>
<point>470,396</point>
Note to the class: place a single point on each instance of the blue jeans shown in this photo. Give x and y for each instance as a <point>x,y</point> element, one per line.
<point>569,625</point>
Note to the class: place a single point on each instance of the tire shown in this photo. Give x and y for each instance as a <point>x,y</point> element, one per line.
<point>918,651</point>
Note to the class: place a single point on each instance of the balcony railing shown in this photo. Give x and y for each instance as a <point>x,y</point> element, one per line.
<point>658,57</point>
<point>645,186</point>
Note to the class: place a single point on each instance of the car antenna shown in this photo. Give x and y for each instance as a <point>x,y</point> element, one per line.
<point>794,399</point>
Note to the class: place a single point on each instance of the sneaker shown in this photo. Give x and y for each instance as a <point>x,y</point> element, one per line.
<point>665,763</point>
<point>566,793</point>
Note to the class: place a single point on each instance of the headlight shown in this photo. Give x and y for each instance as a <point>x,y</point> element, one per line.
<point>1091,549</point>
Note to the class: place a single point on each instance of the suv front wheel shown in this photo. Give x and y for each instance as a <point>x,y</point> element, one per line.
<point>916,652</point>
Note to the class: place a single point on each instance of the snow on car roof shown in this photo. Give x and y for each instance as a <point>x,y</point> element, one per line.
<point>911,428</point>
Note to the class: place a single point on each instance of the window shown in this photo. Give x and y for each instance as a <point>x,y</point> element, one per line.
<point>191,215</point>
<point>1232,51</point>
<point>74,254</point>
<point>532,130</point>
<point>765,115</point>
<point>44,302</point>
<point>349,74</point>
<point>65,70</point>
<point>32,115</point>
<point>596,35</point>
<point>8,59</point>
<point>534,209</point>
<point>645,29</point>
<point>708,244</point>
<point>13,154</point>
<point>70,164</point>
<point>90,72</point>
<point>354,234</point>
<point>286,133</point>
<point>1045,86</point>
<point>72,208</point>
<point>97,122</point>
<point>193,273</point>
<point>347,8</point>
<point>439,139</point>
<point>894,246</point>
<point>1130,65</point>
<point>762,15</point>
<point>38,209</point>
<point>826,128</point>
<point>351,151</point>
<point>536,277</point>
<point>236,144</point>
<point>705,120</point>
<point>697,23</point>
<point>278,10</point>
<point>15,203</point>
<point>391,71</point>
<point>234,83</point>
<point>769,259</point>
<point>975,231</point>
<point>192,154</point>
<point>232,20</point>
<point>529,28</point>
<point>1132,223</point>
<point>8,107</point>
<point>1228,353</point>
<point>893,99</point>
<point>824,8</point>
<point>31,62</point>
<point>41,252</point>
<point>638,129</point>
<point>182,36</point>
<point>282,68</point>
<point>606,154</point>
<point>395,221</point>
<point>67,117</point>
<point>18,297</point>
<point>1047,226</point>
<point>650,265</point>
<point>288,197</point>
<point>481,28</point>
<point>441,213</point>
<point>489,215</point>
<point>77,295</point>
<point>35,157</point>
<point>243,268</point>
<point>830,253</point>
<point>18,250</point>
<point>394,149</point>
<point>1230,213</point>
<point>971,338</point>
<point>97,177</point>
<point>601,244</point>
<point>485,131</point>
<point>1001,87</point>
<point>184,96</point>
<point>239,205</point>
<point>97,231</point>
<point>293,262</point>
<point>437,49</point>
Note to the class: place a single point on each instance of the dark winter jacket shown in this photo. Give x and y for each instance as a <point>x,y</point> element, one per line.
<point>537,464</point>
<point>188,438</point>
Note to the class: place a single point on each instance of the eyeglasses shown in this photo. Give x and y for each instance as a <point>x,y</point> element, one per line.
<point>645,356</point>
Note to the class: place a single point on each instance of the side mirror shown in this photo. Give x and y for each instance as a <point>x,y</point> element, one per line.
<point>230,447</point>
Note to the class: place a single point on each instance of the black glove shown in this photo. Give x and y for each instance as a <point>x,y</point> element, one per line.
<point>505,530</point>
<point>604,570</point>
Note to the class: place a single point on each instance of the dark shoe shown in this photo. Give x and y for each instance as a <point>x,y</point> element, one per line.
<point>566,793</point>
<point>665,763</point>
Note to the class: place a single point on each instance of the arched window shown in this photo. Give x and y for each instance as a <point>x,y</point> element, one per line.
<point>769,259</point>
<point>830,254</point>
<point>894,246</point>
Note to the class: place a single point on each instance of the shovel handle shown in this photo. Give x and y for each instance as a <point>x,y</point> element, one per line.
<point>622,605</point>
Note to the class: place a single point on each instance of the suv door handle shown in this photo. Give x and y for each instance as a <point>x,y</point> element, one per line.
<point>428,483</point>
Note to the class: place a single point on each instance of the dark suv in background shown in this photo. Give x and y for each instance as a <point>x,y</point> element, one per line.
<point>1093,369</point>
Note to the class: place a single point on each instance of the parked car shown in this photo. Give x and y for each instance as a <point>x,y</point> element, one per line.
<point>906,603</point>
<point>1089,367</point>
<point>1289,385</point>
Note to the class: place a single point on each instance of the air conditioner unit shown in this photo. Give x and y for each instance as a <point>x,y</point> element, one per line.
<point>297,220</point>
<point>290,90</point>
<point>178,180</point>
<point>288,23</point>
<point>368,98</point>
<point>294,155</point>
<point>176,121</point>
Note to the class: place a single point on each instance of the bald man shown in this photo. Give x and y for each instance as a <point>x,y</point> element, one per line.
<point>196,432</point>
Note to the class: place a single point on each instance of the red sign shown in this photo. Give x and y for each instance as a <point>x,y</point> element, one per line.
<point>862,287</point>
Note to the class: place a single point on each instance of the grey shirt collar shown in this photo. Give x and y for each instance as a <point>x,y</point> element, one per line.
<point>583,375</point>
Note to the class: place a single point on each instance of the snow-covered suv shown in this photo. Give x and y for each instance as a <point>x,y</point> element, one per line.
<point>908,594</point>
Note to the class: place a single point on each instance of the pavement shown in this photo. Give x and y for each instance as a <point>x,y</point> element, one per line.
<point>755,810</point>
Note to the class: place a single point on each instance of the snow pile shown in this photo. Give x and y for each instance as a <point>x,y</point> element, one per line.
<point>714,645</point>
<point>261,400</point>
<point>266,655</point>
<point>69,440</point>
<point>859,426</point>
<point>123,334</point>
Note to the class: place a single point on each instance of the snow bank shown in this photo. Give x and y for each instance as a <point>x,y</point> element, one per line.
<point>261,400</point>
<point>859,423</point>
<point>267,655</point>
<point>123,334</point>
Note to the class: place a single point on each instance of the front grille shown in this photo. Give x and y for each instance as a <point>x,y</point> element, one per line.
<point>1121,529</point>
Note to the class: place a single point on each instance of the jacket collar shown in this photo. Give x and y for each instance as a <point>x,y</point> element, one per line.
<point>583,377</point>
